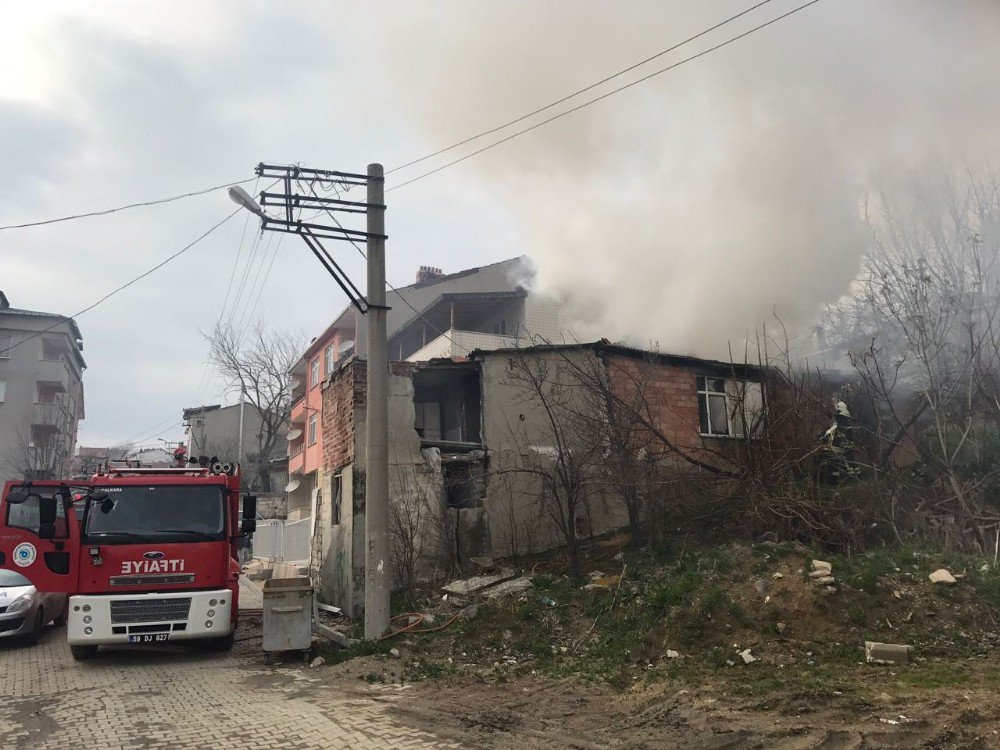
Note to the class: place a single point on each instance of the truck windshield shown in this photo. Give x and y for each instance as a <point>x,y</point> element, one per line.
<point>159,512</point>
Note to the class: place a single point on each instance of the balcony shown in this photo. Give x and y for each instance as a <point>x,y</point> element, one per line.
<point>457,343</point>
<point>52,415</point>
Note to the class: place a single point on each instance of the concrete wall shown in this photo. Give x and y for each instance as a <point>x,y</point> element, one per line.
<point>22,367</point>
<point>518,436</point>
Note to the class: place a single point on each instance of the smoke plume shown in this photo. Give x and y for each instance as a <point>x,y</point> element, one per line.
<point>697,205</point>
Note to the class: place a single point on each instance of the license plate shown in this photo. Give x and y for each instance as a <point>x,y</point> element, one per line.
<point>149,638</point>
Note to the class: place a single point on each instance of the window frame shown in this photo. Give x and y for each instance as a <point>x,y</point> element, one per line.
<point>314,373</point>
<point>729,384</point>
<point>312,429</point>
<point>5,351</point>
<point>3,390</point>
<point>329,359</point>
<point>336,499</point>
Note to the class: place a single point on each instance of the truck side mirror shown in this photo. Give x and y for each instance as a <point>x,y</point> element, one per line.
<point>249,524</point>
<point>18,495</point>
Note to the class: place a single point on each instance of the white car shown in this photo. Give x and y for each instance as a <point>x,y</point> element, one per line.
<point>24,611</point>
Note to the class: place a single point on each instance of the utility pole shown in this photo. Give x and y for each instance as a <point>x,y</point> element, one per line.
<point>377,580</point>
<point>239,449</point>
<point>290,202</point>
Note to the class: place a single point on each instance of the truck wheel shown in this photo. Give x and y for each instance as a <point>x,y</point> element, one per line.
<point>82,653</point>
<point>225,643</point>
<point>60,621</point>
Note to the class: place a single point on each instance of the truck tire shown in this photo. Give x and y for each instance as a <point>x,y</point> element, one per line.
<point>60,621</point>
<point>225,643</point>
<point>82,653</point>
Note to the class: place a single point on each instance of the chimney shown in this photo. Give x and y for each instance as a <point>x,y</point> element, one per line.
<point>428,273</point>
<point>4,303</point>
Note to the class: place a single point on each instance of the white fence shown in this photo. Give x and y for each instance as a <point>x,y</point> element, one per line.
<point>282,541</point>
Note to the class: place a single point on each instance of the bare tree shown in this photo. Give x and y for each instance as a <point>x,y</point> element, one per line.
<point>256,364</point>
<point>562,453</point>
<point>43,455</point>
<point>922,332</point>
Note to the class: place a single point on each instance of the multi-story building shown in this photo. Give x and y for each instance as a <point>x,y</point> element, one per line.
<point>439,316</point>
<point>41,392</point>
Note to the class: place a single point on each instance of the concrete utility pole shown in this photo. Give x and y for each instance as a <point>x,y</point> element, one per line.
<point>312,230</point>
<point>377,580</point>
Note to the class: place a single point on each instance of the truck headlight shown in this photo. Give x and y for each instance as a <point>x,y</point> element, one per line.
<point>20,604</point>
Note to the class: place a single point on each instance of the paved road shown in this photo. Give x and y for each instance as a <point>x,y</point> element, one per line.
<point>185,698</point>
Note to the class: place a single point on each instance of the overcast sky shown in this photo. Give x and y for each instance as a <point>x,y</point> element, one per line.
<point>680,211</point>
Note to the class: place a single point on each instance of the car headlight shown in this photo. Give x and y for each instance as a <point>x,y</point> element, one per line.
<point>20,604</point>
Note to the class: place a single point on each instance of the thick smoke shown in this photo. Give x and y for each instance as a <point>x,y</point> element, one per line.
<point>699,204</point>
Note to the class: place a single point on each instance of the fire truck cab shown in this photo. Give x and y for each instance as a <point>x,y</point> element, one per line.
<point>146,555</point>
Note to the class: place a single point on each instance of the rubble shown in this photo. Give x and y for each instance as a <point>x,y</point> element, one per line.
<point>826,581</point>
<point>821,565</point>
<point>671,654</point>
<point>887,653</point>
<point>780,627</point>
<point>507,588</point>
<point>470,612</point>
<point>477,583</point>
<point>394,652</point>
<point>942,576</point>
<point>747,657</point>
<point>319,661</point>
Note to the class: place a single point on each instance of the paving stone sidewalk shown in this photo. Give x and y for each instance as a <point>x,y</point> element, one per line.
<point>182,697</point>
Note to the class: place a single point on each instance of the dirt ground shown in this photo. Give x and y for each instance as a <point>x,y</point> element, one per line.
<point>652,661</point>
<point>536,712</point>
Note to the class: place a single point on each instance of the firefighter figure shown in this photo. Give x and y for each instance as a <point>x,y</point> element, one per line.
<point>180,454</point>
<point>838,447</point>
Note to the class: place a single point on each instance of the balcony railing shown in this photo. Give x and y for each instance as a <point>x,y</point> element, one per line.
<point>458,343</point>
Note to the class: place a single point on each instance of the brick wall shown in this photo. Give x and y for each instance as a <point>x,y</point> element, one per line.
<point>672,395</point>
<point>343,392</point>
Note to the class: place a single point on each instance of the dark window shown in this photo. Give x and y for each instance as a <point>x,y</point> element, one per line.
<point>729,407</point>
<point>159,512</point>
<point>337,496</point>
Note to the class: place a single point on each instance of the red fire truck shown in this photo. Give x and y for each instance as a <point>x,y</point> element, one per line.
<point>146,555</point>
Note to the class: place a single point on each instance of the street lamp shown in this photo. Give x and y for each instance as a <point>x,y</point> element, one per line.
<point>243,198</point>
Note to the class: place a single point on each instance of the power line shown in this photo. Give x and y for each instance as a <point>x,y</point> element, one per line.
<point>388,284</point>
<point>125,208</point>
<point>127,284</point>
<point>587,103</point>
<point>578,91</point>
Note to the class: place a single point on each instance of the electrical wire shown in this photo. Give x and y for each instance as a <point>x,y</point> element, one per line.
<point>107,211</point>
<point>589,102</point>
<point>576,93</point>
<point>126,285</point>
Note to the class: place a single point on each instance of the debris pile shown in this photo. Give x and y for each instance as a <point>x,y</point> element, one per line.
<point>821,574</point>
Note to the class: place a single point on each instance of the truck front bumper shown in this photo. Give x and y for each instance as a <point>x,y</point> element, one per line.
<point>104,619</point>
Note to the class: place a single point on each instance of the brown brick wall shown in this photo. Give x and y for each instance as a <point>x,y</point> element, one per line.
<point>672,394</point>
<point>344,392</point>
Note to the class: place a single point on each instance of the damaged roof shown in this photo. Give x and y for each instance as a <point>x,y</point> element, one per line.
<point>603,347</point>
